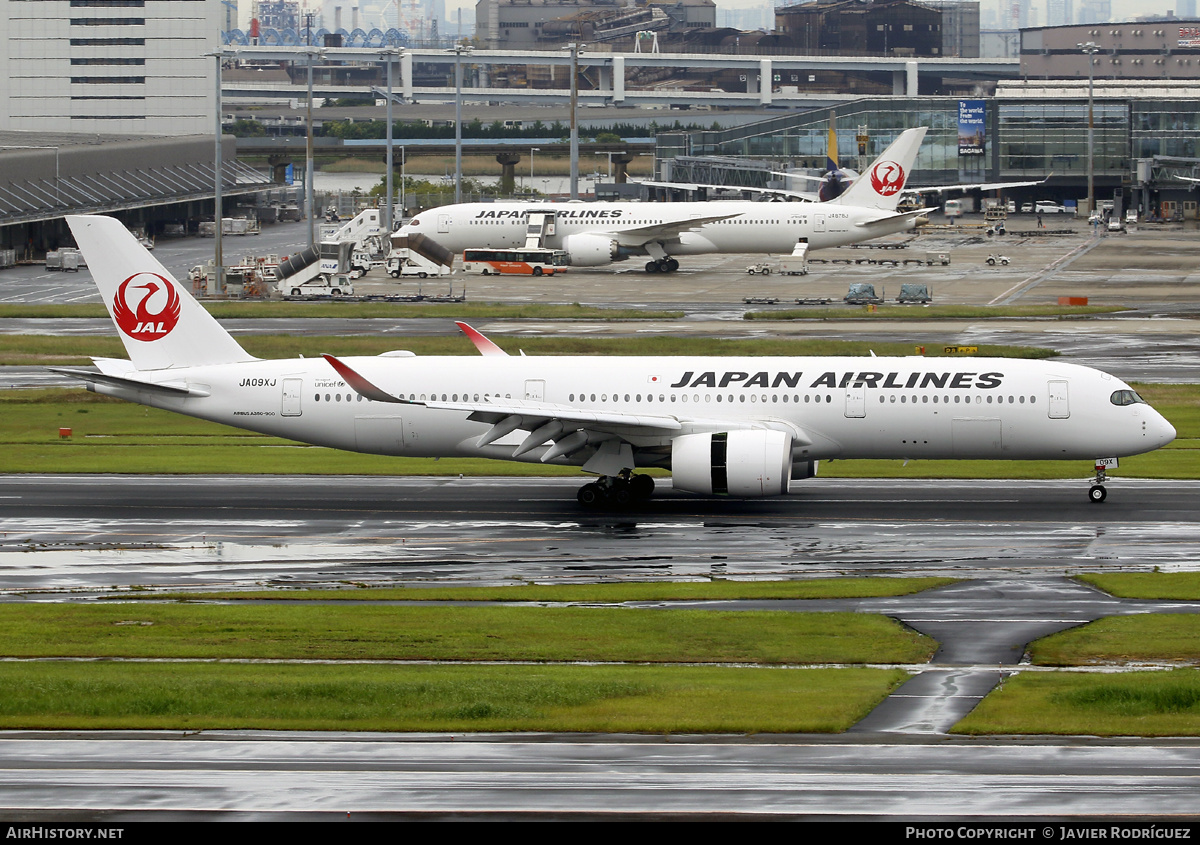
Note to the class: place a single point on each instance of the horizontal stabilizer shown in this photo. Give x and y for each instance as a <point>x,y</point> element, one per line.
<point>168,388</point>
<point>900,215</point>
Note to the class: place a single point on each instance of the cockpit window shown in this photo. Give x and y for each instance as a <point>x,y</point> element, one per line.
<point>1126,397</point>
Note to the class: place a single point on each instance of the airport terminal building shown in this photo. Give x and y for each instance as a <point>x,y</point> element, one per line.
<point>1143,133</point>
<point>109,106</point>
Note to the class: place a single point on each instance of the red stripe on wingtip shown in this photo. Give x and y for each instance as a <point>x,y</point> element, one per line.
<point>356,381</point>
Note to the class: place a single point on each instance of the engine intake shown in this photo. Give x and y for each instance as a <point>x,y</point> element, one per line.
<point>749,464</point>
<point>590,250</point>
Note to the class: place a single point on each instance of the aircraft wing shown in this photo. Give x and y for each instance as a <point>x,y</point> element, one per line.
<point>1186,178</point>
<point>807,196</point>
<point>564,429</point>
<point>512,415</point>
<point>983,186</point>
<point>638,235</point>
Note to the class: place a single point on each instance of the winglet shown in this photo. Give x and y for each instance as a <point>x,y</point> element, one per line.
<point>360,384</point>
<point>485,346</point>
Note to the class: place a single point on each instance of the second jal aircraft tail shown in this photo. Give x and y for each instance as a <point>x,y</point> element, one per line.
<point>881,184</point>
<point>159,322</point>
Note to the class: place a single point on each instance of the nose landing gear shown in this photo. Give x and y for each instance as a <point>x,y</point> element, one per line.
<point>1097,493</point>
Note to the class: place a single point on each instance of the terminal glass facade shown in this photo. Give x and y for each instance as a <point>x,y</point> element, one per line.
<point>1026,137</point>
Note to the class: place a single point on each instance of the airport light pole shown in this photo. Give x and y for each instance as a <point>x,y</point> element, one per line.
<point>218,167</point>
<point>459,49</point>
<point>308,159</point>
<point>389,56</point>
<point>1090,49</point>
<point>574,48</point>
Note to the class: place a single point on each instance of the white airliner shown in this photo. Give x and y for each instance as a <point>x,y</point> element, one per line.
<point>598,233</point>
<point>725,426</point>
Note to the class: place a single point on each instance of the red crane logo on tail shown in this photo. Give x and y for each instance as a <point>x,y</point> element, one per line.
<point>887,178</point>
<point>135,318</point>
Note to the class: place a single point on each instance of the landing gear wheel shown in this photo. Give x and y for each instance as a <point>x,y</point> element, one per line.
<point>641,486</point>
<point>651,266</point>
<point>671,265</point>
<point>1097,494</point>
<point>591,495</point>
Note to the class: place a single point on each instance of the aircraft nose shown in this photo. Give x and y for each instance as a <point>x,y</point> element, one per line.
<point>1161,431</point>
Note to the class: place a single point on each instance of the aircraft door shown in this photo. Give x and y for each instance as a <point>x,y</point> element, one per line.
<point>818,222</point>
<point>856,401</point>
<point>291,397</point>
<point>443,223</point>
<point>535,390</point>
<point>1060,407</point>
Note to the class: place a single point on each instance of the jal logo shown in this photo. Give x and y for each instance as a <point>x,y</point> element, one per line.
<point>887,178</point>
<point>146,307</point>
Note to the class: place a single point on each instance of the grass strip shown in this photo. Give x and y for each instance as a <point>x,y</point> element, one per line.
<point>1146,637</point>
<point>717,590</point>
<point>642,699</point>
<point>940,312</point>
<point>1177,586</point>
<point>454,633</point>
<point>247,310</point>
<point>1070,703</point>
<point>54,350</point>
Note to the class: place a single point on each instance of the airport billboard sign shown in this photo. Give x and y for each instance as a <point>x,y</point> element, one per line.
<point>971,132</point>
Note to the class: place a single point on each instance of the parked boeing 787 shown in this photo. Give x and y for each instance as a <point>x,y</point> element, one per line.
<point>595,234</point>
<point>740,427</point>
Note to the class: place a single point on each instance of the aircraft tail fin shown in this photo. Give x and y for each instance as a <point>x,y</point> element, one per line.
<point>881,184</point>
<point>831,148</point>
<point>159,322</point>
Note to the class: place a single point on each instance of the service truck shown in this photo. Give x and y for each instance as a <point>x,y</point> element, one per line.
<point>409,262</point>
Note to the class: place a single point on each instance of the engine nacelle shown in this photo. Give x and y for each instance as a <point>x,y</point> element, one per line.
<point>733,463</point>
<point>590,250</point>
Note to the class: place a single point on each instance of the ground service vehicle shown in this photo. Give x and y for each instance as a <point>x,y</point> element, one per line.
<point>536,261</point>
<point>408,262</point>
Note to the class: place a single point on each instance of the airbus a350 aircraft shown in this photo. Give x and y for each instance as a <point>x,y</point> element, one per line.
<point>725,426</point>
<point>598,233</point>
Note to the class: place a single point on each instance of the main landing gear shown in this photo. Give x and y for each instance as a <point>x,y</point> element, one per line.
<point>662,265</point>
<point>617,491</point>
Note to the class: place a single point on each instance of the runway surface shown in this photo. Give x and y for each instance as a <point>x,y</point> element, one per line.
<point>315,777</point>
<point>1013,544</point>
<point>83,532</point>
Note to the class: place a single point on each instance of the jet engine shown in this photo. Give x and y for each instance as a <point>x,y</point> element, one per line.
<point>733,463</point>
<point>590,250</point>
